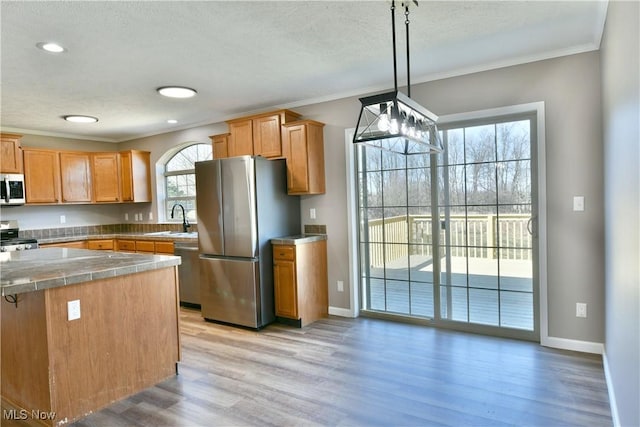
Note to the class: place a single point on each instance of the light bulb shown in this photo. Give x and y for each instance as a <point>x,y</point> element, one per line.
<point>383,119</point>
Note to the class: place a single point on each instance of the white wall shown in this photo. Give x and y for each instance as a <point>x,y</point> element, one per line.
<point>621,113</point>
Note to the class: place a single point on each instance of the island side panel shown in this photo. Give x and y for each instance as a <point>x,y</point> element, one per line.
<point>25,359</point>
<point>313,291</point>
<point>126,340</point>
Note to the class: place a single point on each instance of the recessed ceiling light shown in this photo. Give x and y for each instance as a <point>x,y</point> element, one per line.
<point>176,91</point>
<point>80,119</point>
<point>172,121</point>
<point>50,47</point>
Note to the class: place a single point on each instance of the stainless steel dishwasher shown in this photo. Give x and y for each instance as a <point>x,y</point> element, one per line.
<point>189,274</point>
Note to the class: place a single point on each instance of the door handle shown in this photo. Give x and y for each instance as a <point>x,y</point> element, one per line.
<point>530,225</point>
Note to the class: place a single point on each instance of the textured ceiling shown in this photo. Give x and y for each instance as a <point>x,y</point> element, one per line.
<point>244,57</point>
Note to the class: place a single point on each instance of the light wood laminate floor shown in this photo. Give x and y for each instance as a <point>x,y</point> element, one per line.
<point>365,372</point>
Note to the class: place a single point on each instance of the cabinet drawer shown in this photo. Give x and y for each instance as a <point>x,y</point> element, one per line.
<point>164,248</point>
<point>100,244</point>
<point>145,246</point>
<point>284,252</point>
<point>127,245</point>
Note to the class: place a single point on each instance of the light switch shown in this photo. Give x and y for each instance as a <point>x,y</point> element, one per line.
<point>73,309</point>
<point>578,203</point>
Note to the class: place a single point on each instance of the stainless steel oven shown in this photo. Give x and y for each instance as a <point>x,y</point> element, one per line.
<point>12,189</point>
<point>10,240</point>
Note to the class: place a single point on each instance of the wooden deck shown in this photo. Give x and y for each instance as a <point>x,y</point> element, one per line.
<point>477,297</point>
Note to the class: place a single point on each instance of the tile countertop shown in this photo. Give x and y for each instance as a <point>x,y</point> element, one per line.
<point>299,239</point>
<point>27,271</point>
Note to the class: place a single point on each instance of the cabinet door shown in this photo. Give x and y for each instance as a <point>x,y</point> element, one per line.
<point>135,176</point>
<point>101,245</point>
<point>297,159</point>
<point>106,177</point>
<point>126,245</point>
<point>240,138</point>
<point>164,247</point>
<point>267,136</point>
<point>220,146</point>
<point>10,153</point>
<point>145,246</point>
<point>285,289</point>
<point>41,176</point>
<point>75,177</point>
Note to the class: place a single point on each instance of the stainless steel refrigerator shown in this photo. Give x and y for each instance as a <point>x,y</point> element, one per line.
<point>242,203</point>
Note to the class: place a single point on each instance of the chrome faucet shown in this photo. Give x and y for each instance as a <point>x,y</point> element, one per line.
<point>185,223</point>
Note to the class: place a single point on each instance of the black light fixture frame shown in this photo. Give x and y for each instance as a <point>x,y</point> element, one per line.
<point>393,121</point>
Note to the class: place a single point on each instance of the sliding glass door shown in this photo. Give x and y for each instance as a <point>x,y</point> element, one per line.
<point>473,268</point>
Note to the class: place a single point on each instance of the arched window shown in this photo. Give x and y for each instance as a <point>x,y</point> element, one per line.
<point>180,180</point>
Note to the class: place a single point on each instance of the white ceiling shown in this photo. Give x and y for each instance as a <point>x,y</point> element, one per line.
<point>243,57</point>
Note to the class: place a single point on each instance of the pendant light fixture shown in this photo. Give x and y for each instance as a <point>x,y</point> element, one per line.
<point>393,121</point>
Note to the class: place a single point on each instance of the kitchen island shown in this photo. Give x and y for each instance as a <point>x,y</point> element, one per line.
<point>82,329</point>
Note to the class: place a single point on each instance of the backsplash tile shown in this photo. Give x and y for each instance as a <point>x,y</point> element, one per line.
<point>88,230</point>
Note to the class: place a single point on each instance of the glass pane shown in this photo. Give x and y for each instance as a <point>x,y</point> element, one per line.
<point>396,262</point>
<point>483,307</point>
<point>517,274</point>
<point>371,225</point>
<point>393,161</point>
<point>451,193</point>
<point>514,140</point>
<point>395,187</point>
<point>419,187</point>
<point>481,184</point>
<point>516,310</point>
<point>421,299</point>
<point>370,159</point>
<point>419,161</point>
<point>455,147</point>
<point>397,293</point>
<point>514,232</point>
<point>483,272</point>
<point>376,259</point>
<point>481,229</point>
<point>514,182</point>
<point>453,303</point>
<point>185,158</point>
<point>373,188</point>
<point>377,294</point>
<point>453,271</point>
<point>189,209</point>
<point>172,186</point>
<point>480,144</point>
<point>454,231</point>
<point>396,225</point>
<point>421,263</point>
<point>420,225</point>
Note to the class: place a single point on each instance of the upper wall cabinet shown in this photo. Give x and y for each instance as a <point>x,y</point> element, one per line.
<point>135,176</point>
<point>75,177</point>
<point>220,145</point>
<point>303,144</point>
<point>105,172</point>
<point>10,153</point>
<point>41,176</point>
<point>54,176</point>
<point>259,135</point>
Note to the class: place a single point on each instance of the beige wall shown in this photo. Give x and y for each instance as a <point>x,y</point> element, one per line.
<point>569,86</point>
<point>621,113</point>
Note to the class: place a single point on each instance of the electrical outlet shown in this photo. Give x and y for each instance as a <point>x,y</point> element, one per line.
<point>578,203</point>
<point>150,216</point>
<point>312,213</point>
<point>340,286</point>
<point>63,219</point>
<point>73,309</point>
<point>581,309</point>
<point>126,216</point>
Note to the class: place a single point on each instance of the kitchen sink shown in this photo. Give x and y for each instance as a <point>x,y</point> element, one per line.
<point>192,234</point>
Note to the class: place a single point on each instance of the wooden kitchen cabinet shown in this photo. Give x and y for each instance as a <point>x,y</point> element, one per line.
<point>10,153</point>
<point>135,176</point>
<point>220,144</point>
<point>125,245</point>
<point>145,246</point>
<point>101,244</point>
<point>80,244</point>
<point>105,173</point>
<point>300,281</point>
<point>259,135</point>
<point>303,143</point>
<point>164,247</point>
<point>41,175</point>
<point>75,177</point>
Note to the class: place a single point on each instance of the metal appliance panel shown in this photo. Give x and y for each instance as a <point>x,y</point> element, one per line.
<point>209,202</point>
<point>189,274</point>
<point>230,291</point>
<point>239,207</point>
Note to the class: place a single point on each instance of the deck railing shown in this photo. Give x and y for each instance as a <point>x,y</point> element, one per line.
<point>477,236</point>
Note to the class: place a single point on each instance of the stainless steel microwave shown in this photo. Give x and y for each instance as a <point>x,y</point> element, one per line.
<point>12,189</point>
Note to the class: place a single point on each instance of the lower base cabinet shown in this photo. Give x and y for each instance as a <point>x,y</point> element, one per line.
<point>300,282</point>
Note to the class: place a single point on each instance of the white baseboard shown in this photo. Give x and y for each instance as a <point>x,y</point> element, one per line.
<point>342,312</point>
<point>573,345</point>
<point>611,391</point>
